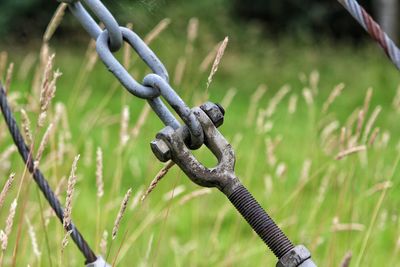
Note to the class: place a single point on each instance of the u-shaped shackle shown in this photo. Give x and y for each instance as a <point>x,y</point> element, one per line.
<point>222,175</point>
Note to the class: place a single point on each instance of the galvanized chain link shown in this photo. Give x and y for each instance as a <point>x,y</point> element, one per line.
<point>154,85</point>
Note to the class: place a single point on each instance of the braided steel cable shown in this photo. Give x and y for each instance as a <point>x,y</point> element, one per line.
<point>40,179</point>
<point>374,30</point>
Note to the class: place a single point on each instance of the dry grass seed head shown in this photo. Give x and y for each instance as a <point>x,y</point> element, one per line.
<point>373,137</point>
<point>194,194</point>
<point>367,100</point>
<point>70,192</point>
<point>276,99</point>
<point>121,213</point>
<point>217,60</point>
<point>127,51</point>
<point>305,171</point>
<point>314,80</point>
<point>360,121</point>
<point>350,151</point>
<point>157,179</point>
<point>103,243</point>
<point>292,104</point>
<point>9,224</point>
<point>228,98</point>
<point>336,91</point>
<point>346,259</point>
<point>64,242</point>
<point>345,227</point>
<point>395,102</point>
<point>144,114</point>
<point>158,29</point>
<point>308,96</point>
<point>26,126</point>
<point>254,100</point>
<point>10,71</point>
<point>48,89</point>
<point>54,22</point>
<point>3,63</point>
<point>192,29</point>
<point>32,235</point>
<point>328,130</point>
<point>124,136</point>
<point>42,146</point>
<point>5,156</point>
<point>179,71</point>
<point>370,122</point>
<point>6,189</point>
<point>99,173</point>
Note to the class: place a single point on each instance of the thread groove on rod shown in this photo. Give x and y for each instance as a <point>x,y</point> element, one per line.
<point>261,222</point>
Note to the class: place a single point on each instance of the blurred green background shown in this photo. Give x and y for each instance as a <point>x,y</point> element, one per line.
<point>297,51</point>
<point>25,19</point>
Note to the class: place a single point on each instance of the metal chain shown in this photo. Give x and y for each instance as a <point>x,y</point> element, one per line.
<point>155,85</point>
<point>173,142</point>
<point>39,178</point>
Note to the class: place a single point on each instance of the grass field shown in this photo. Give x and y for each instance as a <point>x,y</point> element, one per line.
<point>282,122</point>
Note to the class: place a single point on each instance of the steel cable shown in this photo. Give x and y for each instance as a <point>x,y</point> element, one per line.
<point>374,30</point>
<point>40,180</point>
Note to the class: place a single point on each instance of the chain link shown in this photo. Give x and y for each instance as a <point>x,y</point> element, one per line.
<point>154,85</point>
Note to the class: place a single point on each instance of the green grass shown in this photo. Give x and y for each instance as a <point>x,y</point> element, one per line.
<point>207,231</point>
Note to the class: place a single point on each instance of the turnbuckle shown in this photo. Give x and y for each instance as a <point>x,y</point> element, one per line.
<point>170,144</point>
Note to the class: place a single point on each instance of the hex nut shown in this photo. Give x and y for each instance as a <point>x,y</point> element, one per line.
<point>295,257</point>
<point>160,150</point>
<point>214,112</point>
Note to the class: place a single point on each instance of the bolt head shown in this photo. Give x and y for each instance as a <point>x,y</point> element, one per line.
<point>160,150</point>
<point>215,112</point>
